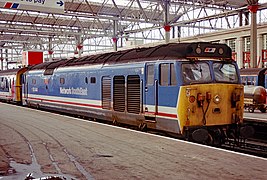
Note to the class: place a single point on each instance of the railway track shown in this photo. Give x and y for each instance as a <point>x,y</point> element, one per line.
<point>251,147</point>
<point>260,127</point>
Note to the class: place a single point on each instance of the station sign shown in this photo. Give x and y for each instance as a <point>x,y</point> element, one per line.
<point>46,6</point>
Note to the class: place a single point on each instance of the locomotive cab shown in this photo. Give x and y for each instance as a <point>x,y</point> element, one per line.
<point>211,97</point>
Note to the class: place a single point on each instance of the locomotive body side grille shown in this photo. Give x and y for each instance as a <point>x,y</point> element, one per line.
<point>106,93</point>
<point>133,94</point>
<point>119,93</point>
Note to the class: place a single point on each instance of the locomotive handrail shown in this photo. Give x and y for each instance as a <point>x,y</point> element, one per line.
<point>141,97</point>
<point>156,97</point>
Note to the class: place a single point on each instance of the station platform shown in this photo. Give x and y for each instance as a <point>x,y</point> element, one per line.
<point>256,116</point>
<point>43,144</point>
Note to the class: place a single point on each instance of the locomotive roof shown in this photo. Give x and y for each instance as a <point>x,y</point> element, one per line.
<point>162,52</point>
<point>252,71</point>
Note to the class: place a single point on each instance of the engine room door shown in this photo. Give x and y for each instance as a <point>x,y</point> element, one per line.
<point>151,93</point>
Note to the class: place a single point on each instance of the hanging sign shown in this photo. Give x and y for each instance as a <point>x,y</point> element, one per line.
<point>47,6</point>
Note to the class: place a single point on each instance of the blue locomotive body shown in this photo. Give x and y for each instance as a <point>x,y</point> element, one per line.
<point>111,92</point>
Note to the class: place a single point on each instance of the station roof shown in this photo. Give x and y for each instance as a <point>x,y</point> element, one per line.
<point>95,18</point>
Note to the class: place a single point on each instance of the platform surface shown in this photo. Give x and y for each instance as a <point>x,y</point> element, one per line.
<point>60,145</point>
<point>257,116</point>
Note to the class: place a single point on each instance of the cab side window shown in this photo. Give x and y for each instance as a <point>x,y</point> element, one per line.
<point>150,74</point>
<point>167,74</point>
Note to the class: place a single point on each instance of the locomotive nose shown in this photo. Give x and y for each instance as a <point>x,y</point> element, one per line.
<point>208,105</point>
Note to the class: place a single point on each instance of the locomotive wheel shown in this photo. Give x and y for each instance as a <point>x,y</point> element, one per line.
<point>210,140</point>
<point>215,138</point>
<point>143,127</point>
<point>115,122</point>
<point>251,109</point>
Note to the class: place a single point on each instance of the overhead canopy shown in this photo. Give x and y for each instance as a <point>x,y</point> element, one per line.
<point>85,20</point>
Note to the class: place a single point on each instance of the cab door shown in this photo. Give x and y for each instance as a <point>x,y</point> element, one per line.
<point>151,92</point>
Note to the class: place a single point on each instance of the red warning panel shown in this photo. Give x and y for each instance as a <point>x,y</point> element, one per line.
<point>32,57</point>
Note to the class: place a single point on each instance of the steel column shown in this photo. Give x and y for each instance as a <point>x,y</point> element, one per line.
<point>239,46</point>
<point>50,51</point>
<point>259,52</point>
<point>167,27</point>
<point>253,35</point>
<point>6,59</point>
<point>115,38</point>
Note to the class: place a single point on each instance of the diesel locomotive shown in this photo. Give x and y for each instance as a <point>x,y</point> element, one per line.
<point>192,90</point>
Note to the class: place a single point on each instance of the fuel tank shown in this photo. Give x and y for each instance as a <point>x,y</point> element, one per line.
<point>256,93</point>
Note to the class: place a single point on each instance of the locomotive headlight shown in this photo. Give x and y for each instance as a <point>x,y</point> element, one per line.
<point>198,50</point>
<point>217,99</point>
<point>221,51</point>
